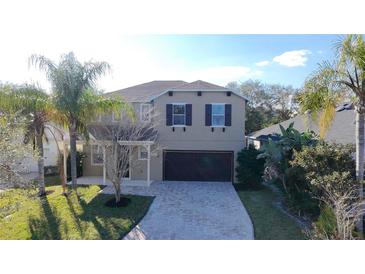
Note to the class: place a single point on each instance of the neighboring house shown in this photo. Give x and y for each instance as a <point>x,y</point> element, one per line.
<point>341,131</point>
<point>200,131</point>
<point>51,153</point>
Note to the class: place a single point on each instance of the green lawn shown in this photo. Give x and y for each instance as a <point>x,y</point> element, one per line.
<point>23,215</point>
<point>270,223</point>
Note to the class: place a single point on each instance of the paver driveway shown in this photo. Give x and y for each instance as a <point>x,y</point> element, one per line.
<point>191,210</point>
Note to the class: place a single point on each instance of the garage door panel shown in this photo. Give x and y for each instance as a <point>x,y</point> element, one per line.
<point>198,166</point>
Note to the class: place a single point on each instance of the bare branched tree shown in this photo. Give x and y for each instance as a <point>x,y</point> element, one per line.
<point>118,160</point>
<point>346,205</point>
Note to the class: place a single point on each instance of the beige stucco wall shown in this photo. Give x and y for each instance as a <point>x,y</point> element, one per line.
<point>89,169</point>
<point>196,137</point>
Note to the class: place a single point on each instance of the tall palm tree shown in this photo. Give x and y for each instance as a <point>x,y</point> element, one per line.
<point>35,104</point>
<point>331,82</point>
<point>75,96</point>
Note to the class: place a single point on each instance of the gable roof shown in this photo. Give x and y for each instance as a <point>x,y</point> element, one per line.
<point>199,85</point>
<point>341,131</point>
<point>149,91</point>
<point>145,91</point>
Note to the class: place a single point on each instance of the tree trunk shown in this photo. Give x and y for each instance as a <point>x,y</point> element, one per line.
<point>72,132</point>
<point>117,191</point>
<point>39,144</point>
<point>360,147</point>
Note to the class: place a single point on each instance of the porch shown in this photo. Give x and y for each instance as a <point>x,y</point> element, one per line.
<point>104,180</point>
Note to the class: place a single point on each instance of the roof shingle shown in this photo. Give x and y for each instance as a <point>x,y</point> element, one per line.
<point>341,131</point>
<point>148,91</point>
<point>200,85</point>
<point>143,92</point>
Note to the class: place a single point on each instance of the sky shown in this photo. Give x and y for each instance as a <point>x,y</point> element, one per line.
<point>135,59</point>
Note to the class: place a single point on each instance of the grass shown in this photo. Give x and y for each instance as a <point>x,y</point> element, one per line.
<point>23,215</point>
<point>269,222</point>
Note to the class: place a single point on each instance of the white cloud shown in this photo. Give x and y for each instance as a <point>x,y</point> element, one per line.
<point>262,63</point>
<point>294,58</point>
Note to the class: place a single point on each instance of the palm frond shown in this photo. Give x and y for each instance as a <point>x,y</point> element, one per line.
<point>44,64</point>
<point>93,70</point>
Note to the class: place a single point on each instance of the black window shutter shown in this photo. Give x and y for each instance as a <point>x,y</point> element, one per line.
<point>168,114</point>
<point>228,115</point>
<point>208,115</point>
<point>189,117</point>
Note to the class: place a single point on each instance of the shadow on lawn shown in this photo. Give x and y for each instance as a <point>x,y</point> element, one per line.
<point>89,219</point>
<point>101,216</point>
<point>48,226</point>
<point>75,215</point>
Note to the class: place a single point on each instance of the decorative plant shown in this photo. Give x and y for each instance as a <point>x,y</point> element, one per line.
<point>250,169</point>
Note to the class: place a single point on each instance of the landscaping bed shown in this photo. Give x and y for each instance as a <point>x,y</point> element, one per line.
<point>23,215</point>
<point>269,221</point>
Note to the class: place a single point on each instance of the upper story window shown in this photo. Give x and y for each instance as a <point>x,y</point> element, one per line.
<point>145,113</point>
<point>218,114</point>
<point>178,114</point>
<point>97,157</point>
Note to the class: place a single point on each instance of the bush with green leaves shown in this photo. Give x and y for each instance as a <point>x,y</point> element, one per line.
<point>250,169</point>
<point>323,160</point>
<point>313,168</point>
<point>278,154</point>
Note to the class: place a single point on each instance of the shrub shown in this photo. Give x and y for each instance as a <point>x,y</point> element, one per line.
<point>298,195</point>
<point>249,169</point>
<point>80,156</point>
<point>323,159</point>
<point>278,154</point>
<point>313,168</point>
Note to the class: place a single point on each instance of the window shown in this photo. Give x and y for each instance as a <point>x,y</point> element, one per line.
<point>142,153</point>
<point>97,155</point>
<point>218,118</point>
<point>178,114</point>
<point>145,112</point>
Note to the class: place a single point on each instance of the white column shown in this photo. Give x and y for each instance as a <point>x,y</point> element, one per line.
<point>104,166</point>
<point>64,161</point>
<point>148,164</point>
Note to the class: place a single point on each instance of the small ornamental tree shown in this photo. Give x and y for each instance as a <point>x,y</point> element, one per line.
<point>118,160</point>
<point>250,169</point>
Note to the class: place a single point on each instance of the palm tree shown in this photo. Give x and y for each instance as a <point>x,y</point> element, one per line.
<point>75,96</point>
<point>35,104</point>
<point>331,82</point>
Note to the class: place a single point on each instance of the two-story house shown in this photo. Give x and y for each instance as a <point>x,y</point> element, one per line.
<point>200,131</point>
